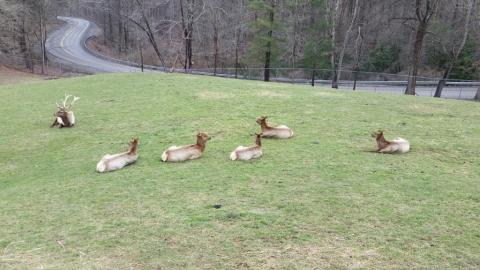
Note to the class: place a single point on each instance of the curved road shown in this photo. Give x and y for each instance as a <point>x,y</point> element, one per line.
<point>67,45</point>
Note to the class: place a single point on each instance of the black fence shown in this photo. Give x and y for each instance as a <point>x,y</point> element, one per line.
<point>349,80</point>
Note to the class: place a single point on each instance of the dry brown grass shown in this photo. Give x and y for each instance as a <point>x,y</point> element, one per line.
<point>12,76</point>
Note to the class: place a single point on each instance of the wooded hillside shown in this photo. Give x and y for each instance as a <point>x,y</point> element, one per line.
<point>417,37</point>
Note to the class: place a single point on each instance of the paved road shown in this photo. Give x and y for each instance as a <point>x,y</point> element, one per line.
<point>452,91</point>
<point>67,45</point>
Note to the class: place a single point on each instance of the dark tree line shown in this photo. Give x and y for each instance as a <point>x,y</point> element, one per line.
<point>411,37</point>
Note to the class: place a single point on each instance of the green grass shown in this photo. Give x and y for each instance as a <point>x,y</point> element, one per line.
<point>318,200</point>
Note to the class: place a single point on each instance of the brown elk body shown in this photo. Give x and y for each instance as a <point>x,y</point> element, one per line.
<point>118,161</point>
<point>247,153</point>
<point>187,152</point>
<point>398,145</point>
<point>64,117</point>
<point>278,132</point>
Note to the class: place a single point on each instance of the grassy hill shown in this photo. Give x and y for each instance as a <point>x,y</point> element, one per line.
<point>320,199</point>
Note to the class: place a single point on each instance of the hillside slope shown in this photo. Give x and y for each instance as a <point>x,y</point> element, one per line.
<point>320,199</point>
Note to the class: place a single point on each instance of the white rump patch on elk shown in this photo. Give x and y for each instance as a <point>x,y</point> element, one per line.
<point>187,152</point>
<point>399,145</point>
<point>279,132</point>
<point>64,116</point>
<point>247,153</point>
<point>118,161</point>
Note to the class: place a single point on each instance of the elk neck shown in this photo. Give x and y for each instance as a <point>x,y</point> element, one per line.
<point>133,149</point>
<point>201,144</point>
<point>258,141</point>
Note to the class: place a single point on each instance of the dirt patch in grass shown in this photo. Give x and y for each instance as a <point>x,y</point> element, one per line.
<point>214,95</point>
<point>315,257</point>
<point>326,94</point>
<point>268,93</point>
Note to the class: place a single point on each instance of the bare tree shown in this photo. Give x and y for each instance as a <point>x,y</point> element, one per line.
<point>144,24</point>
<point>455,49</point>
<point>334,11</point>
<point>346,40</point>
<point>358,52</point>
<point>424,10</point>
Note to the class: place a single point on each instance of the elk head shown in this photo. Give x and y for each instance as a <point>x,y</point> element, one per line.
<point>378,135</point>
<point>202,136</point>
<point>132,146</point>
<point>381,142</point>
<point>262,120</point>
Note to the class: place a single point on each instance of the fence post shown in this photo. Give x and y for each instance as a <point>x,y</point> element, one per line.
<point>313,78</point>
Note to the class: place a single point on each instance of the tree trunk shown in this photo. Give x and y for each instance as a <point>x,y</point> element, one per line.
<point>333,35</point>
<point>110,28</point>
<point>294,38</point>
<point>345,40</point>
<point>313,77</point>
<point>24,48</point>
<point>42,40</point>
<point>141,56</point>
<point>417,50</point>
<point>477,96</point>
<point>268,52</point>
<point>148,31</point>
<point>358,52</point>
<point>125,32</point>
<point>104,30</point>
<point>237,34</point>
<point>120,27</point>
<point>215,49</point>
<point>456,51</point>
<point>423,18</point>
<point>441,84</point>
<point>187,25</point>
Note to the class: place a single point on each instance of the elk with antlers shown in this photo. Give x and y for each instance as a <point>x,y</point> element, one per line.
<point>247,153</point>
<point>279,132</point>
<point>64,117</point>
<point>187,152</point>
<point>398,145</point>
<point>118,161</point>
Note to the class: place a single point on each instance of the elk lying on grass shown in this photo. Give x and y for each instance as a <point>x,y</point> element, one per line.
<point>187,152</point>
<point>64,117</point>
<point>247,153</point>
<point>118,161</point>
<point>398,145</point>
<point>279,132</point>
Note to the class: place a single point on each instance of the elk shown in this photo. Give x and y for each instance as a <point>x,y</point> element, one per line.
<point>64,117</point>
<point>279,132</point>
<point>115,162</point>
<point>186,152</point>
<point>247,153</point>
<point>398,145</point>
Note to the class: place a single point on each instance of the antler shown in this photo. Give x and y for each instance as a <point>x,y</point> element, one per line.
<point>65,100</point>
<point>73,101</point>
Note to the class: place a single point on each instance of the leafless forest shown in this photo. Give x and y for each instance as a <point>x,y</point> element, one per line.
<point>437,38</point>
